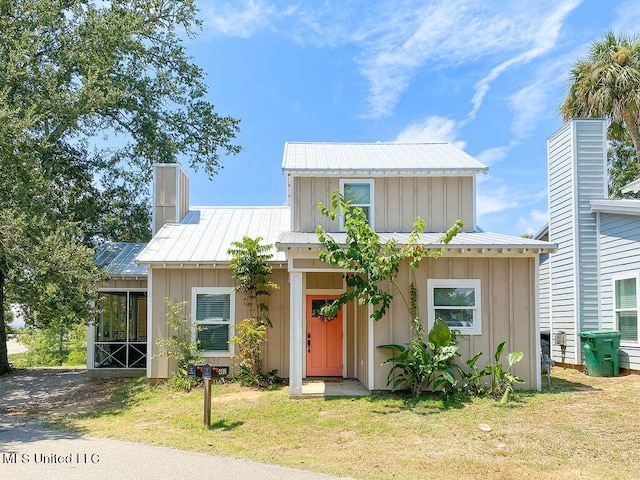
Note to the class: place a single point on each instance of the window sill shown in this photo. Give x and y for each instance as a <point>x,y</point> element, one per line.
<point>213,353</point>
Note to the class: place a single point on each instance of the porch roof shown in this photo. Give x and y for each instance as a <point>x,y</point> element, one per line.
<point>118,259</point>
<point>205,234</point>
<point>463,240</point>
<point>621,206</point>
<point>317,158</point>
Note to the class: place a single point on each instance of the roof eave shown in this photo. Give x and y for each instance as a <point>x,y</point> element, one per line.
<point>616,206</point>
<point>431,172</point>
<point>480,248</point>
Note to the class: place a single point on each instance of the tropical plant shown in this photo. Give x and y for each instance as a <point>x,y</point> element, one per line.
<point>607,84</point>
<point>425,364</point>
<point>501,378</point>
<point>179,345</point>
<point>251,271</point>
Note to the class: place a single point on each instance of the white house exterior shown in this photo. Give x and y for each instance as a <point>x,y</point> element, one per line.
<point>598,243</point>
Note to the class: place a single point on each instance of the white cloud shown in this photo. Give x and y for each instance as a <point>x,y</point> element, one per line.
<point>627,18</point>
<point>495,202</point>
<point>484,31</point>
<point>546,31</point>
<point>238,19</point>
<point>397,39</point>
<point>533,103</point>
<point>431,129</point>
<point>492,155</point>
<point>534,222</point>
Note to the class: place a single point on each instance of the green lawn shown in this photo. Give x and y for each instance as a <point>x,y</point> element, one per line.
<point>586,427</point>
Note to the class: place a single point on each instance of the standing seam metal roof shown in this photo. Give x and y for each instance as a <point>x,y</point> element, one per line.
<point>310,158</point>
<point>205,234</point>
<point>118,259</point>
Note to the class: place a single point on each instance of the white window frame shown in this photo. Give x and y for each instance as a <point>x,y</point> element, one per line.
<point>371,183</point>
<point>195,291</point>
<point>474,283</point>
<point>626,276</point>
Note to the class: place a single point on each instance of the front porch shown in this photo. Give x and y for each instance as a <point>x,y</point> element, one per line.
<point>333,387</point>
<point>329,357</point>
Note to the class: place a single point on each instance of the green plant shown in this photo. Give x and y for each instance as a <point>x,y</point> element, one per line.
<point>251,272</point>
<point>425,364</point>
<point>370,263</point>
<point>502,379</point>
<point>179,346</point>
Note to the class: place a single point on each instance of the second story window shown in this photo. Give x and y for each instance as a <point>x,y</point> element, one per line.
<point>360,194</point>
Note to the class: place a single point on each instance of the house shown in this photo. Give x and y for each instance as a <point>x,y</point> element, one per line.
<point>592,281</point>
<point>497,275</point>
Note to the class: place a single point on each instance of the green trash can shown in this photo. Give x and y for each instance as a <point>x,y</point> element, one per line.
<point>600,349</point>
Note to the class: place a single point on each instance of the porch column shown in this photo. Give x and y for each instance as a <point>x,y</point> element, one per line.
<point>296,334</point>
<point>91,347</point>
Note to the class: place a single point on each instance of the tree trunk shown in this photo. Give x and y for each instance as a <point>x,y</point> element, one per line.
<point>634,130</point>
<point>4,355</point>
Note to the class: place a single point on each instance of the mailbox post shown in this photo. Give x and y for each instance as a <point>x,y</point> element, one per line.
<point>207,373</point>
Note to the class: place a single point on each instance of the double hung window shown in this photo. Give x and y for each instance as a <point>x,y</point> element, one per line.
<point>626,308</point>
<point>213,313</point>
<point>457,302</point>
<point>360,194</point>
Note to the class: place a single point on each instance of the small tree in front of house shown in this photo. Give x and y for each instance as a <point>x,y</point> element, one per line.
<point>179,345</point>
<point>370,264</point>
<point>251,273</point>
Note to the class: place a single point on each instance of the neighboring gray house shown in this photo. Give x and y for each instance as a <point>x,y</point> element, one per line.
<point>592,281</point>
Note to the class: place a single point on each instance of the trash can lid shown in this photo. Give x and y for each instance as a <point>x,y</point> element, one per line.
<point>599,333</point>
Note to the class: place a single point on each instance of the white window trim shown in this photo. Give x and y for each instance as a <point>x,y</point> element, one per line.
<point>614,308</point>
<point>232,320</point>
<point>460,283</point>
<point>371,204</point>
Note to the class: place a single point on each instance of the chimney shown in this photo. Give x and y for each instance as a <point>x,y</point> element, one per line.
<point>577,156</point>
<point>170,194</point>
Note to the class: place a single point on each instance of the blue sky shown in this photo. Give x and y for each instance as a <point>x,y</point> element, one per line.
<point>485,75</point>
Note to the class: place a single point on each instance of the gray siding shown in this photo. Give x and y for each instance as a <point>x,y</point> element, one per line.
<point>544,293</point>
<point>577,160</point>
<point>619,254</point>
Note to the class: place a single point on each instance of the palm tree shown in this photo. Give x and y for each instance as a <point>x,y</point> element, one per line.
<point>607,84</point>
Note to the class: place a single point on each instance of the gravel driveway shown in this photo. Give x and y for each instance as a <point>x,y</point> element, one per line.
<point>27,451</point>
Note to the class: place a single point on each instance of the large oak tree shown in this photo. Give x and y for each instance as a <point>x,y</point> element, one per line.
<point>91,95</point>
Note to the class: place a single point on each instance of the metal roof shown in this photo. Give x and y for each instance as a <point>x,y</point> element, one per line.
<point>631,187</point>
<point>118,258</point>
<point>388,158</point>
<point>476,240</point>
<point>205,234</point>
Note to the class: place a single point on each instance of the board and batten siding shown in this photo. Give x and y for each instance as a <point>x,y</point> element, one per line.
<point>619,254</point>
<point>177,284</point>
<point>398,202</point>
<point>508,311</point>
<point>577,162</point>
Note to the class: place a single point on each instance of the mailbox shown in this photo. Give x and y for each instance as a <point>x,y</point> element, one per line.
<point>204,370</point>
<point>220,370</point>
<point>194,370</point>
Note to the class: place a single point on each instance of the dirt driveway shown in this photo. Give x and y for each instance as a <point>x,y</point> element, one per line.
<point>34,393</point>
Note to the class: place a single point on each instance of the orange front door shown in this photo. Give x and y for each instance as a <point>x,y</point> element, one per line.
<point>323,341</point>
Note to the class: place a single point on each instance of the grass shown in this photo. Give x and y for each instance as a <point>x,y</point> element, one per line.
<point>585,427</point>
